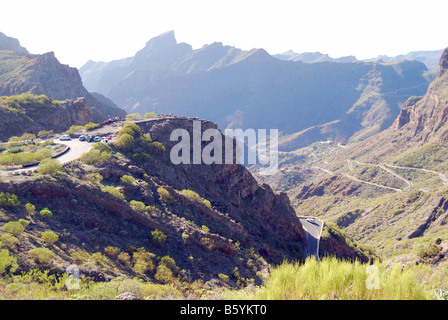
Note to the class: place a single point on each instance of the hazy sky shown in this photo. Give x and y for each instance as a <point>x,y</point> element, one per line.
<point>105,30</point>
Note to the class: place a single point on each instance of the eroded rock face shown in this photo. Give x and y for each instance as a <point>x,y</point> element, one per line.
<point>58,118</point>
<point>267,218</point>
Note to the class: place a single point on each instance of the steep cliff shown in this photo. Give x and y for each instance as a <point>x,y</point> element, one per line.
<point>30,113</point>
<point>21,72</point>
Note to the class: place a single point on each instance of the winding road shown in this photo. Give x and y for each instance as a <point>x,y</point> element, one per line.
<point>313,233</point>
<point>76,149</point>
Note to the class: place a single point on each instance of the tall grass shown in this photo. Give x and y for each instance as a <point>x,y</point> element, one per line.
<point>336,279</point>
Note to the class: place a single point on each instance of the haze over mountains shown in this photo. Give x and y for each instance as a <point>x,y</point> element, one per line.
<point>346,100</point>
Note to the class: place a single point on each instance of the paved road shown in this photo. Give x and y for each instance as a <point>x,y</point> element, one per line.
<point>314,232</point>
<point>77,149</point>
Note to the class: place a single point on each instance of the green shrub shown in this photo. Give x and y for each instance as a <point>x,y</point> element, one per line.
<point>157,147</point>
<point>46,213</point>
<point>124,258</point>
<point>24,222</point>
<point>8,241</point>
<point>165,195</point>
<point>158,237</point>
<point>45,133</point>
<point>142,260</point>
<point>125,143</point>
<point>102,147</point>
<point>150,115</point>
<point>133,116</point>
<point>73,129</point>
<point>7,263</point>
<point>41,255</point>
<point>49,237</point>
<point>90,126</point>
<point>49,166</point>
<point>170,264</point>
<point>14,227</point>
<point>8,200</point>
<point>30,208</point>
<point>138,206</point>
<point>94,178</point>
<point>192,195</point>
<point>164,274</point>
<point>131,129</point>
<point>95,157</point>
<point>111,251</point>
<point>114,191</point>
<point>127,180</point>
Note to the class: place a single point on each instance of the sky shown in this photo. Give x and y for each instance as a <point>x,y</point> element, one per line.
<point>82,30</point>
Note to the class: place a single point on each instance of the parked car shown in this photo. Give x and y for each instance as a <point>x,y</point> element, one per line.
<point>90,138</point>
<point>97,139</point>
<point>82,138</point>
<point>65,137</point>
<point>310,220</point>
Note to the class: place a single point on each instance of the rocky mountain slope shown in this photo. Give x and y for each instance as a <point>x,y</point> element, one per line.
<point>21,72</point>
<point>28,113</point>
<point>388,191</point>
<point>251,89</point>
<point>213,221</point>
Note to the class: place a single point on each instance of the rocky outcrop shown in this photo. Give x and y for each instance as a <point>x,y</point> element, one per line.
<point>57,116</point>
<point>266,218</point>
<point>44,74</point>
<point>8,43</point>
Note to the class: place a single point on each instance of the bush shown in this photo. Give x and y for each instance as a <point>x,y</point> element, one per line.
<point>150,115</point>
<point>73,129</point>
<point>30,209</point>
<point>111,251</point>
<point>164,274</point>
<point>95,157</point>
<point>165,195</point>
<point>49,166</point>
<point>138,206</point>
<point>142,261</point>
<point>94,178</point>
<point>131,129</point>
<point>124,258</point>
<point>90,126</point>
<point>157,148</point>
<point>24,222</point>
<point>49,237</point>
<point>8,200</point>
<point>125,143</point>
<point>127,180</point>
<point>170,264</point>
<point>41,255</point>
<point>158,237</point>
<point>45,133</point>
<point>14,227</point>
<point>8,241</point>
<point>133,116</point>
<point>114,191</point>
<point>46,213</point>
<point>7,262</point>
<point>192,195</point>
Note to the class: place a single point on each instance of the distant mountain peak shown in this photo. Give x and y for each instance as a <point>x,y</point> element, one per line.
<point>165,39</point>
<point>8,43</point>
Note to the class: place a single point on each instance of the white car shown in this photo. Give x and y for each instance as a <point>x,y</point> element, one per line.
<point>311,220</point>
<point>65,137</point>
